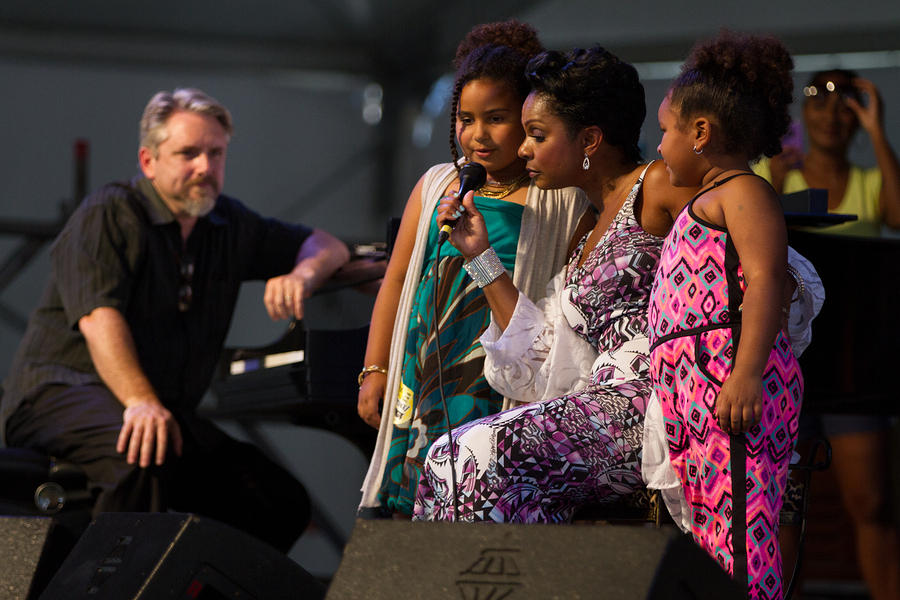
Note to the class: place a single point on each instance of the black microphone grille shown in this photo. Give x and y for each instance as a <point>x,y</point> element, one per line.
<point>471,177</point>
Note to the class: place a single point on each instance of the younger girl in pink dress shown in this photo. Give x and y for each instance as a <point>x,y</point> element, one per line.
<point>725,374</point>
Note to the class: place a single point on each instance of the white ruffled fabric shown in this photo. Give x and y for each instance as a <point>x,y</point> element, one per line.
<point>807,306</point>
<point>538,356</point>
<point>656,469</point>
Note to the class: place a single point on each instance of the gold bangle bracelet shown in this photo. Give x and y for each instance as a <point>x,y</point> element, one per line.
<point>370,369</point>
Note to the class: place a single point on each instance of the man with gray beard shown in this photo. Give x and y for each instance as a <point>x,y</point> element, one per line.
<point>130,327</point>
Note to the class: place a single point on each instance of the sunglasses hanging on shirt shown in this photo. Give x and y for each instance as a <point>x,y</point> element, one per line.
<point>185,291</point>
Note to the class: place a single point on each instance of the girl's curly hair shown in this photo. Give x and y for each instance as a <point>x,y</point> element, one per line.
<point>744,81</point>
<point>496,51</point>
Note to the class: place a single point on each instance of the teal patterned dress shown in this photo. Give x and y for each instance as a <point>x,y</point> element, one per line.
<point>419,417</point>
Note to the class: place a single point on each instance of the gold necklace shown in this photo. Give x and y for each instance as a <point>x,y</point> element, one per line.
<point>501,189</point>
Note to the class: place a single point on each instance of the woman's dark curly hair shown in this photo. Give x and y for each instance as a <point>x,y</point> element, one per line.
<point>592,87</point>
<point>745,82</point>
<point>497,51</point>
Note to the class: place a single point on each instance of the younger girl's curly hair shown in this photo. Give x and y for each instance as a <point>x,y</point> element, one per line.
<point>744,81</point>
<point>496,51</point>
<point>593,87</point>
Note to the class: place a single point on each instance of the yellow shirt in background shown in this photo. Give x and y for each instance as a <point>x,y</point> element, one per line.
<point>860,197</point>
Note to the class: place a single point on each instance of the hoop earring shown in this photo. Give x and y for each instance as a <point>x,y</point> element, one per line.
<point>586,164</point>
<point>698,152</point>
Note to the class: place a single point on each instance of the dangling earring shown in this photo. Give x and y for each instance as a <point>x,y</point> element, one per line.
<point>698,152</point>
<point>586,164</point>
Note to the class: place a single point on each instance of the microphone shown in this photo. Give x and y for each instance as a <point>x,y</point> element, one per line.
<point>471,177</point>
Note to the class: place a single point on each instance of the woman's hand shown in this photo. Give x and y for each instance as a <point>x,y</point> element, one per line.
<point>469,234</point>
<point>739,405</point>
<point>871,116</point>
<point>371,393</point>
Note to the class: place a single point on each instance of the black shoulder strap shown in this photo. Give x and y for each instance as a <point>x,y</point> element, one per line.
<point>724,181</point>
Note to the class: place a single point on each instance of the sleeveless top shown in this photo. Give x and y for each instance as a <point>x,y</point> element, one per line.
<point>609,292</point>
<point>700,282</point>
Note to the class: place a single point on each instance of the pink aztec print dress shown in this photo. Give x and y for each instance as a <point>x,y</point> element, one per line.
<point>734,484</point>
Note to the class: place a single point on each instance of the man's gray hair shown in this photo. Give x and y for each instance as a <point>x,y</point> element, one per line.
<point>163,104</point>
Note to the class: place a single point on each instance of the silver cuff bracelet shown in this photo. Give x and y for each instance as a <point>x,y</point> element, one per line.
<point>484,268</point>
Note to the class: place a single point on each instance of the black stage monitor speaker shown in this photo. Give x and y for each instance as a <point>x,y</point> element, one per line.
<point>150,556</point>
<point>395,559</point>
<point>22,544</point>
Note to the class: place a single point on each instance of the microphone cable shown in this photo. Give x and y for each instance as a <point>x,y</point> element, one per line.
<point>440,374</point>
<point>472,176</point>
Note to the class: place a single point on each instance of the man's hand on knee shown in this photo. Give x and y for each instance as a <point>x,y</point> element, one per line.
<point>148,430</point>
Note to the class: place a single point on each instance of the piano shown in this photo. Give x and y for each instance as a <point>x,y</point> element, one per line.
<point>307,377</point>
<point>849,364</point>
